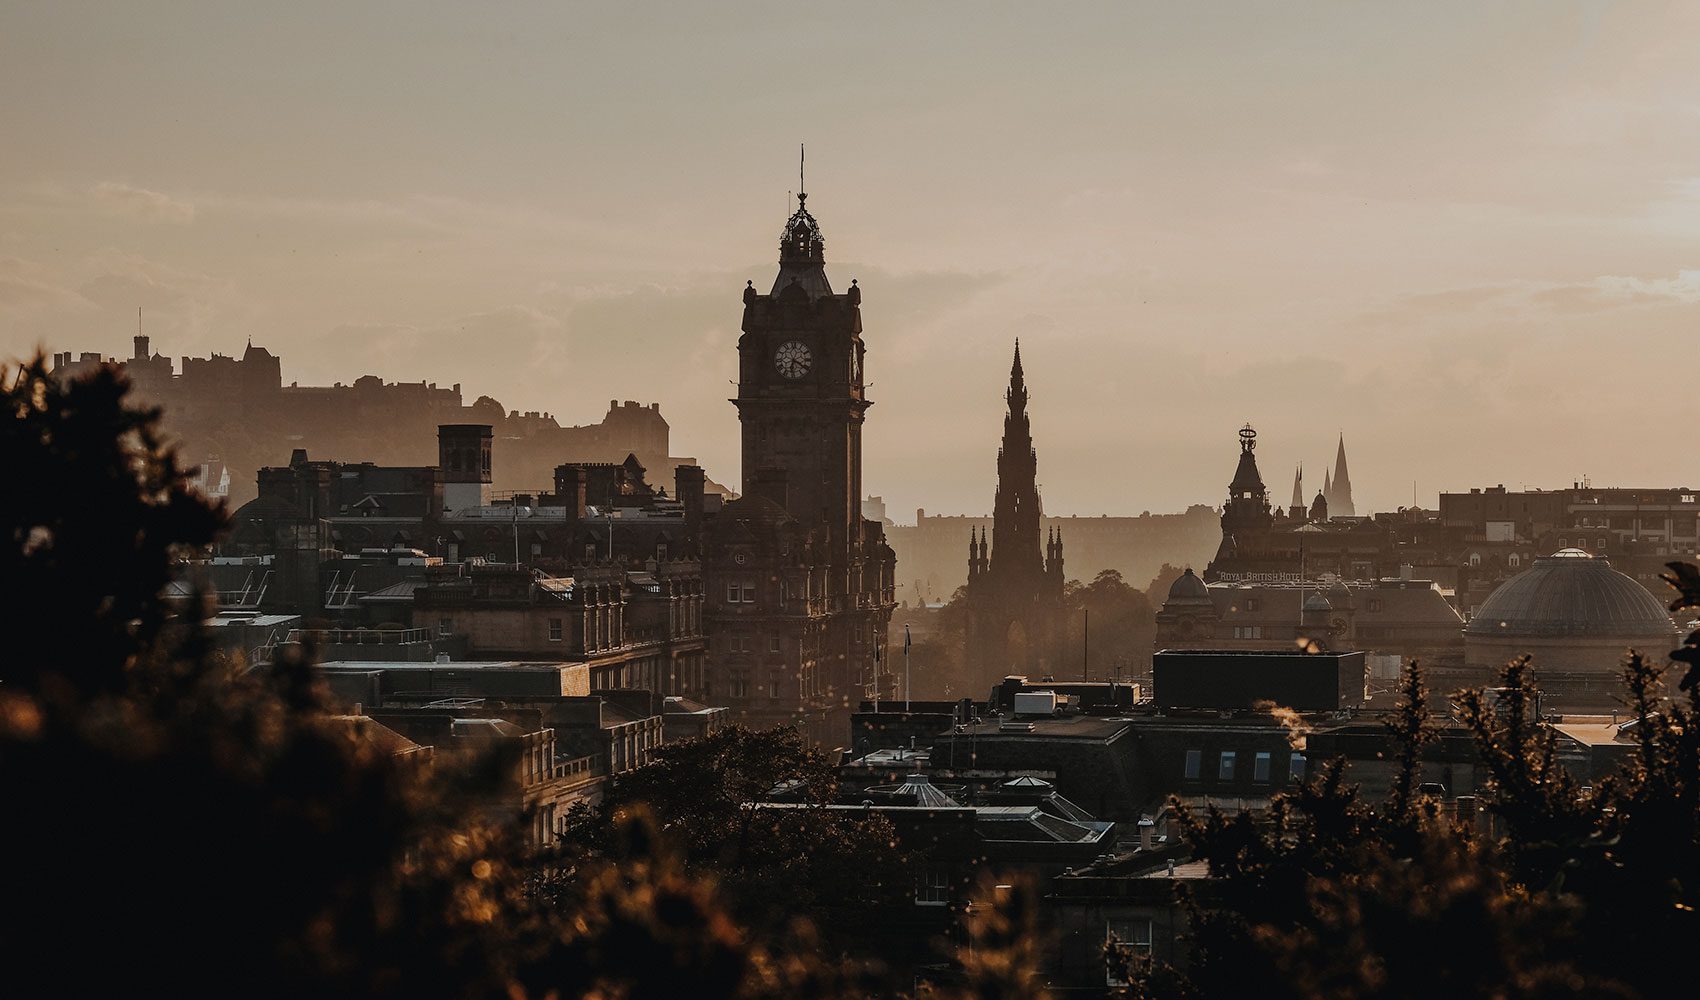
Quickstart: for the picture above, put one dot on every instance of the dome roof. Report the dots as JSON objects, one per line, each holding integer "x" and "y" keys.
{"x": 1571, "y": 593}
{"x": 1188, "y": 589}
{"x": 1316, "y": 602}
{"x": 1339, "y": 595}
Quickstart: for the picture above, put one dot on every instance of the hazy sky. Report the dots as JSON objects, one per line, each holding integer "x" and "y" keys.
{"x": 1466, "y": 234}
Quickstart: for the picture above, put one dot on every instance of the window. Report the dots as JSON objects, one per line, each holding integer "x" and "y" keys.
{"x": 773, "y": 644}
{"x": 1194, "y": 764}
{"x": 1251, "y": 604}
{"x": 1476, "y": 558}
{"x": 1260, "y": 767}
{"x": 775, "y": 684}
{"x": 732, "y": 593}
{"x": 1602, "y": 544}
{"x": 1225, "y": 770}
{"x": 556, "y": 630}
{"x": 749, "y": 593}
{"x": 1375, "y": 604}
{"x": 1296, "y": 767}
{"x": 1513, "y": 560}
{"x": 932, "y": 886}
{"x": 1130, "y": 936}
{"x": 445, "y": 627}
{"x": 738, "y": 684}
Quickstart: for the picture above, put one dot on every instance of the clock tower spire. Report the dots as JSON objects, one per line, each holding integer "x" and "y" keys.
{"x": 801, "y": 405}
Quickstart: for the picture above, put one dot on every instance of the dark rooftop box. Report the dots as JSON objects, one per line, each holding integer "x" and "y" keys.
{"x": 1239, "y": 679}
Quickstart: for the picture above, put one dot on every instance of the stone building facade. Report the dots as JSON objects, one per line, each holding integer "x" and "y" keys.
{"x": 813, "y": 578}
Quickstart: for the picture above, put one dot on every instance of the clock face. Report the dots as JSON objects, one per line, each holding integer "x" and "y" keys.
{"x": 793, "y": 359}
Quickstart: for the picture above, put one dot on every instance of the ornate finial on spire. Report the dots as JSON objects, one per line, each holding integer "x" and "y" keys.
{"x": 1248, "y": 438}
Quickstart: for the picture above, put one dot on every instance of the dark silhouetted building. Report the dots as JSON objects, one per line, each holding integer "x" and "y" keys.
{"x": 799, "y": 581}
{"x": 1015, "y": 609}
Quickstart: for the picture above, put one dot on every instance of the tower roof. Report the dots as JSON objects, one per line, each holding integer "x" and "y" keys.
{"x": 1246, "y": 477}
{"x": 802, "y": 253}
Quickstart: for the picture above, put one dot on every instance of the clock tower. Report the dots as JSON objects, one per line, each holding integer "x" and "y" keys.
{"x": 800, "y": 584}
{"x": 800, "y": 391}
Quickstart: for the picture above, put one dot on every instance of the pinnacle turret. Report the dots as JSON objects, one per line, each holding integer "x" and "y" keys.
{"x": 1340, "y": 496}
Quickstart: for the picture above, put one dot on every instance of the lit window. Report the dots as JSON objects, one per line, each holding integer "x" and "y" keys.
{"x": 1194, "y": 764}
{"x": 1260, "y": 767}
{"x": 1225, "y": 770}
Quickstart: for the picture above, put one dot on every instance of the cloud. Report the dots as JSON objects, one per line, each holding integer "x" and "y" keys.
{"x": 141, "y": 204}
{"x": 1683, "y": 287}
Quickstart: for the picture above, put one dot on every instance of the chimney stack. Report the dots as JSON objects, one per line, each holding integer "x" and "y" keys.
{"x": 570, "y": 485}
{"x": 463, "y": 454}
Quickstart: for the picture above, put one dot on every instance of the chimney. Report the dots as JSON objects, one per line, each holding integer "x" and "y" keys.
{"x": 687, "y": 489}
{"x": 463, "y": 454}
{"x": 769, "y": 484}
{"x": 570, "y": 487}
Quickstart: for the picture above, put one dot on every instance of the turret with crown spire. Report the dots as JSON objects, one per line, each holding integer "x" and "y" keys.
{"x": 1247, "y": 513}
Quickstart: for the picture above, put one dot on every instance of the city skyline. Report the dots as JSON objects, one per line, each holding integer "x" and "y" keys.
{"x": 1180, "y": 249}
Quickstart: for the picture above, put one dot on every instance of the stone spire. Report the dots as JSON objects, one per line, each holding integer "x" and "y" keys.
{"x": 1340, "y": 498}
{"x": 1016, "y": 513}
{"x": 1298, "y": 505}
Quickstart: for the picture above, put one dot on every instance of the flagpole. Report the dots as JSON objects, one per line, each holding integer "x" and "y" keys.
{"x": 906, "y": 666}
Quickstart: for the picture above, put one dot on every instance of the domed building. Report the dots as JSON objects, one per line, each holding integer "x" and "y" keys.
{"x": 1575, "y": 616}
{"x": 1188, "y": 616}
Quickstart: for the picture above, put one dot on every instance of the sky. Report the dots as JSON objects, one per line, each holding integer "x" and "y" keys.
{"x": 1464, "y": 235}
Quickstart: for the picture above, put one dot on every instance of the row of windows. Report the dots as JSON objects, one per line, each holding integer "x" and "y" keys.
{"x": 740, "y": 593}
{"x": 1228, "y": 763}
{"x": 738, "y": 684}
{"x": 745, "y": 643}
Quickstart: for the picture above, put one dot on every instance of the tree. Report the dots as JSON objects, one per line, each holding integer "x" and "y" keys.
{"x": 1157, "y": 591}
{"x": 1329, "y": 895}
{"x": 1123, "y": 626}
{"x": 177, "y": 825}
{"x": 713, "y": 799}
{"x": 95, "y": 511}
